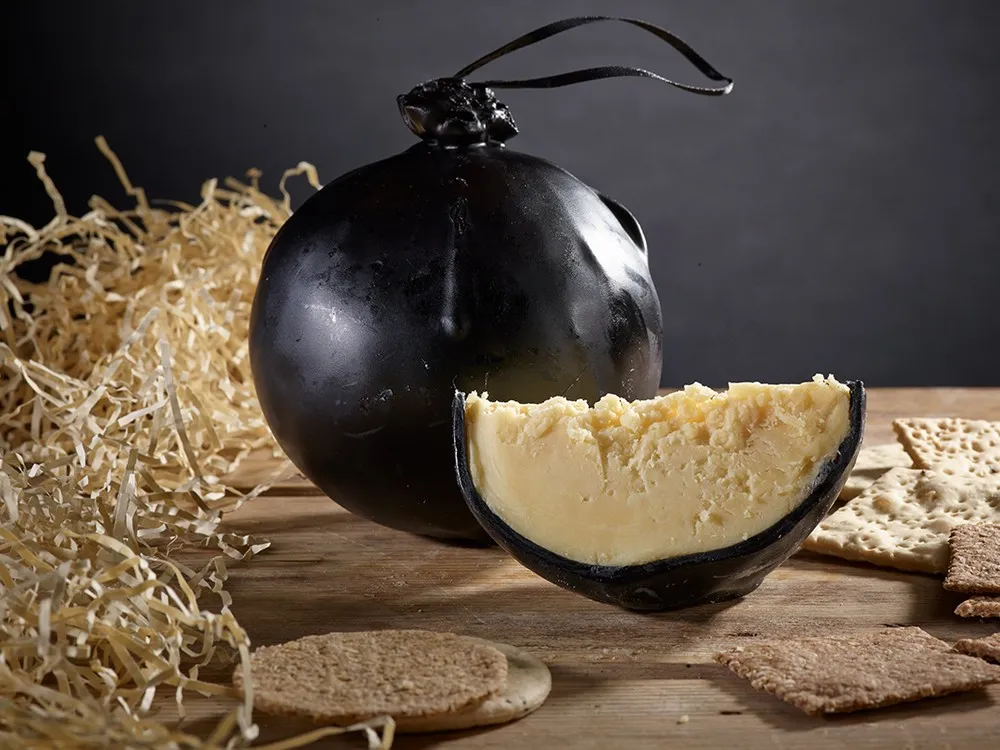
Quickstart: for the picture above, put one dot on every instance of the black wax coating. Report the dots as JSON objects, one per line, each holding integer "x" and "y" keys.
{"x": 678, "y": 582}
{"x": 442, "y": 268}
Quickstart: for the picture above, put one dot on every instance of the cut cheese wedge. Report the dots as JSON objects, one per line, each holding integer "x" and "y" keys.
{"x": 621, "y": 485}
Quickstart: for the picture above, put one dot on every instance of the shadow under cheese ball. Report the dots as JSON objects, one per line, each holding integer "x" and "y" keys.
{"x": 456, "y": 263}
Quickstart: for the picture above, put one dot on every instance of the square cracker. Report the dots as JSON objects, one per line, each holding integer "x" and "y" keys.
{"x": 857, "y": 671}
{"x": 873, "y": 461}
{"x": 974, "y": 566}
{"x": 904, "y": 519}
{"x": 979, "y": 606}
{"x": 959, "y": 447}
{"x": 985, "y": 648}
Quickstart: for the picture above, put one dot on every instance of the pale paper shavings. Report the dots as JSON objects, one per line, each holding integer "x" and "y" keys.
{"x": 125, "y": 393}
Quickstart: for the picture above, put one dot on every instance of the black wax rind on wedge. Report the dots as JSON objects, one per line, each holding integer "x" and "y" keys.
{"x": 676, "y": 582}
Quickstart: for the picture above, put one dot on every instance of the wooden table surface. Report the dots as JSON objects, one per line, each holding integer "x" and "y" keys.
{"x": 620, "y": 679}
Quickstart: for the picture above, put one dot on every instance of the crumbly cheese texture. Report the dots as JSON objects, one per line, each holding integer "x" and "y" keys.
{"x": 624, "y": 483}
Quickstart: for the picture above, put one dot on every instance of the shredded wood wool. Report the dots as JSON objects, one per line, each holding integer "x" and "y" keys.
{"x": 126, "y": 402}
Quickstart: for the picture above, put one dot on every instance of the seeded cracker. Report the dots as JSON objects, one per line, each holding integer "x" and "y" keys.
{"x": 985, "y": 648}
{"x": 873, "y": 461}
{"x": 979, "y": 606}
{"x": 959, "y": 447}
{"x": 974, "y": 566}
{"x": 528, "y": 685}
{"x": 853, "y": 672}
{"x": 342, "y": 678}
{"x": 904, "y": 519}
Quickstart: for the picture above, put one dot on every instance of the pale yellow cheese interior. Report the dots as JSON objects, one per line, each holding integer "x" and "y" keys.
{"x": 624, "y": 483}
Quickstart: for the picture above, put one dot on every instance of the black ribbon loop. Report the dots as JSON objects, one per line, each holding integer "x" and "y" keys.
{"x": 593, "y": 74}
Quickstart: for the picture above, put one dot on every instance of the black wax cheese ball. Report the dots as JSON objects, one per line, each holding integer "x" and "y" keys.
{"x": 456, "y": 264}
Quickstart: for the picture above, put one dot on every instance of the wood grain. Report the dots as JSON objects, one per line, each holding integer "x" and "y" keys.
{"x": 620, "y": 679}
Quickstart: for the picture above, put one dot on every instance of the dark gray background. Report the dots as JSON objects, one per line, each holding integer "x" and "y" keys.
{"x": 839, "y": 212}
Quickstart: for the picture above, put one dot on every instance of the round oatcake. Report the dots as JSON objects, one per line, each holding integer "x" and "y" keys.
{"x": 342, "y": 678}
